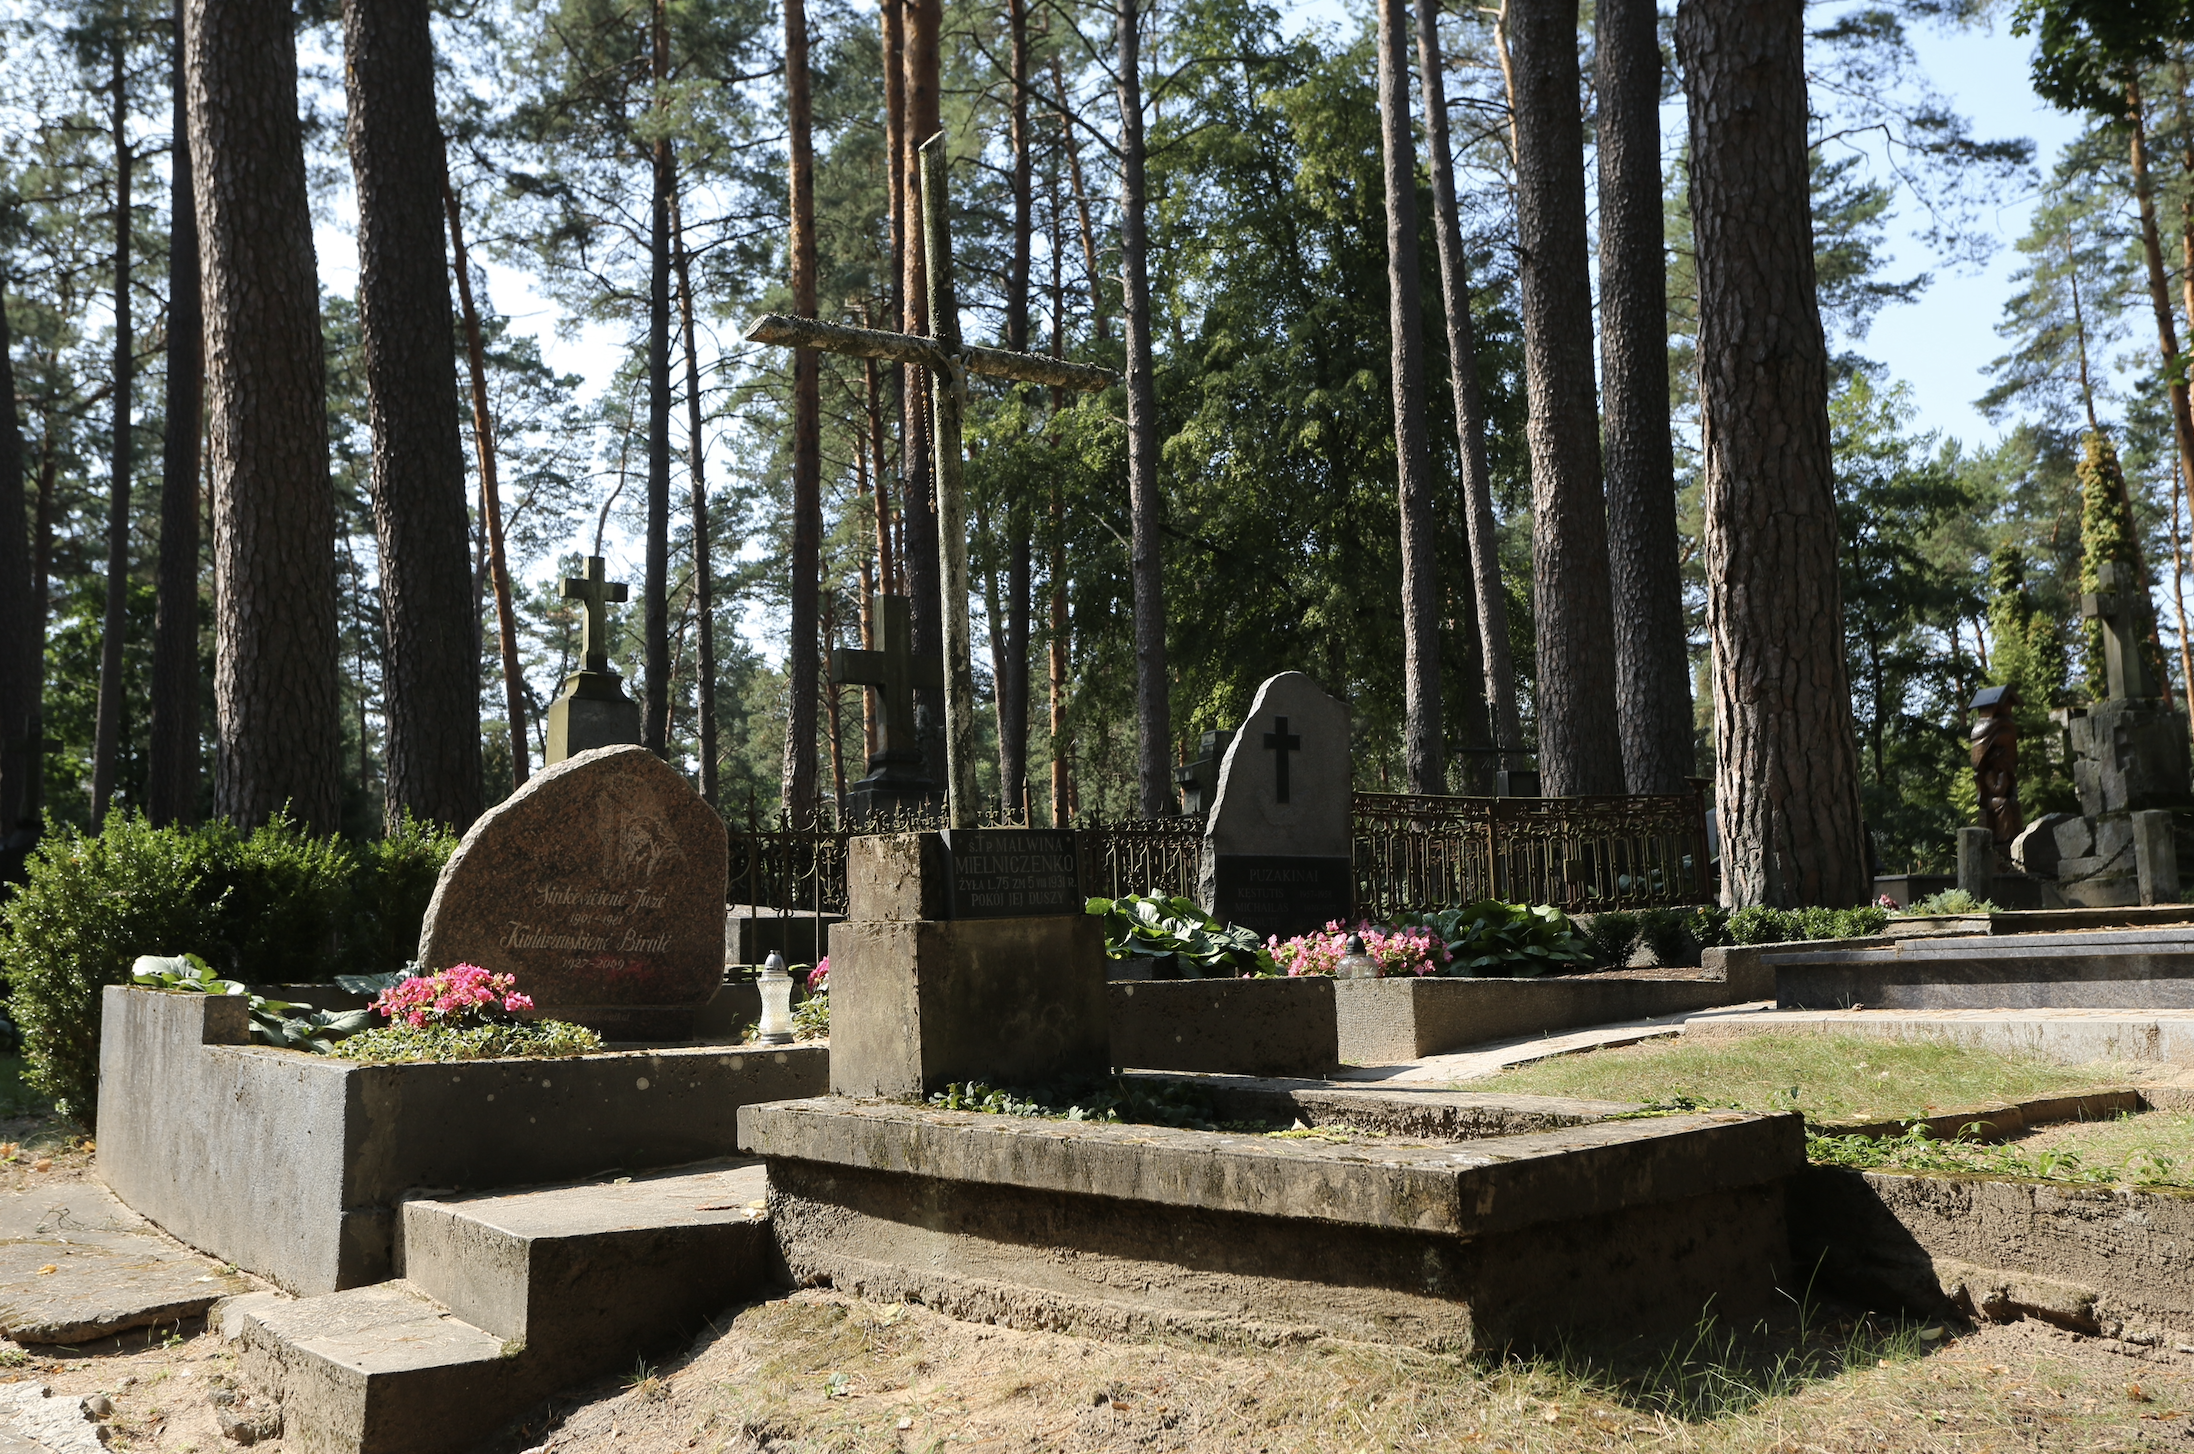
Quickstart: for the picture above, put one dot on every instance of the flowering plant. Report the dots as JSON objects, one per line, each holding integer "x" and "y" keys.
{"x": 819, "y": 977}
{"x": 1398, "y": 951}
{"x": 463, "y": 993}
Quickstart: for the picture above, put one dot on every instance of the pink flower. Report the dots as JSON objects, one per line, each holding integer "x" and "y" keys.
{"x": 460, "y": 993}
{"x": 819, "y": 977}
{"x": 1398, "y": 951}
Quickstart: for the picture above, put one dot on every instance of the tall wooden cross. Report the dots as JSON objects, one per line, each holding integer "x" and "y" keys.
{"x": 596, "y": 590}
{"x": 949, "y": 363}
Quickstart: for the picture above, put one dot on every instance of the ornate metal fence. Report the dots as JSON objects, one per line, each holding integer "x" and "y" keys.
{"x": 1411, "y": 852}
{"x": 1579, "y": 854}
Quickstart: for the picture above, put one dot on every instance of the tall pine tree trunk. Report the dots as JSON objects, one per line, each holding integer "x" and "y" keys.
{"x": 1423, "y": 751}
{"x": 1652, "y": 665}
{"x": 1579, "y": 749}
{"x": 1012, "y": 684}
{"x": 2159, "y": 290}
{"x": 1153, "y": 706}
{"x": 491, "y": 500}
{"x": 917, "y": 507}
{"x": 1470, "y": 414}
{"x": 274, "y": 514}
{"x": 20, "y": 627}
{"x": 107, "y": 733}
{"x": 171, "y": 769}
{"x": 430, "y": 675}
{"x": 704, "y": 593}
{"x": 802, "y": 656}
{"x": 655, "y": 615}
{"x": 1787, "y": 785}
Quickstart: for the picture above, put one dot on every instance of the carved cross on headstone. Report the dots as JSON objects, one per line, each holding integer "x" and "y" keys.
{"x": 596, "y": 590}
{"x": 1280, "y": 742}
{"x": 949, "y": 364}
{"x": 2115, "y": 604}
{"x": 895, "y": 672}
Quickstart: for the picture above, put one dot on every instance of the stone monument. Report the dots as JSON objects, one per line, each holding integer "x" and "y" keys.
{"x": 2129, "y": 755}
{"x": 965, "y": 955}
{"x": 600, "y": 885}
{"x": 897, "y": 775}
{"x": 593, "y": 710}
{"x": 1278, "y": 855}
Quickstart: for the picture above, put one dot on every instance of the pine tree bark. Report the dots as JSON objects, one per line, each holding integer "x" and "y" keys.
{"x": 704, "y": 594}
{"x": 2159, "y": 290}
{"x": 803, "y": 654}
{"x": 1652, "y": 658}
{"x": 1787, "y": 784}
{"x": 171, "y": 769}
{"x": 1423, "y": 750}
{"x": 274, "y": 513}
{"x": 430, "y": 674}
{"x": 491, "y": 499}
{"x": 923, "y": 24}
{"x": 1012, "y": 684}
{"x": 1153, "y": 707}
{"x": 107, "y": 731}
{"x": 655, "y": 613}
{"x": 1579, "y": 749}
{"x": 19, "y": 616}
{"x": 1488, "y": 596}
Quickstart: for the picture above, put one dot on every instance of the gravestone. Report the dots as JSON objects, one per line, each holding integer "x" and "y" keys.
{"x": 593, "y": 710}
{"x": 965, "y": 955}
{"x": 897, "y": 778}
{"x": 600, "y": 885}
{"x": 1278, "y": 856}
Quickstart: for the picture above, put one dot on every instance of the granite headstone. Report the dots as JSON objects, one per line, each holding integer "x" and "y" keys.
{"x": 600, "y": 885}
{"x": 1278, "y": 856}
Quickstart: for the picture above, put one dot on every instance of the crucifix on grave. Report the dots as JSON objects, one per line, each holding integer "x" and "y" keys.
{"x": 895, "y": 774}
{"x": 592, "y": 710}
{"x": 949, "y": 364}
{"x": 2115, "y": 603}
{"x": 1280, "y": 742}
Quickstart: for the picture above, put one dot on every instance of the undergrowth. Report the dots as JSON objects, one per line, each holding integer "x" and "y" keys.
{"x": 399, "y": 1041}
{"x": 1919, "y": 1150}
{"x": 1107, "y": 1102}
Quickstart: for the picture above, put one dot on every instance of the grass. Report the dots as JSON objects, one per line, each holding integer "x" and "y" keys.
{"x": 1831, "y": 1078}
{"x": 2145, "y": 1163}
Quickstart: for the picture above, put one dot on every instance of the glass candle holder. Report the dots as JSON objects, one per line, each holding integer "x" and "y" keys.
{"x": 1356, "y": 964}
{"x": 776, "y": 988}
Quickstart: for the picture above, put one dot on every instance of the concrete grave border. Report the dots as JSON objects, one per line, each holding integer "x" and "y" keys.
{"x": 292, "y": 1165}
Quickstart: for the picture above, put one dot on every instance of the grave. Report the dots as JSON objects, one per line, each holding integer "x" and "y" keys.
{"x": 965, "y": 955}
{"x": 593, "y": 710}
{"x": 897, "y": 779}
{"x": 600, "y": 886}
{"x": 1278, "y": 855}
{"x": 2125, "y": 969}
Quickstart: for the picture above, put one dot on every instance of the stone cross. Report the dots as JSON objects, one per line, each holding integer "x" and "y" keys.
{"x": 895, "y": 672}
{"x": 1280, "y": 742}
{"x": 949, "y": 364}
{"x": 2116, "y": 606}
{"x": 597, "y": 591}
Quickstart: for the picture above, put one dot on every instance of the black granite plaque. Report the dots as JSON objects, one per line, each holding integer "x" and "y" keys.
{"x": 1010, "y": 873}
{"x": 1283, "y": 895}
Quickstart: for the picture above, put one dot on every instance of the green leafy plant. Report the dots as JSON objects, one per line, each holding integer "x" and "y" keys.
{"x": 1951, "y": 901}
{"x": 1612, "y": 935}
{"x": 811, "y": 1018}
{"x": 1759, "y": 924}
{"x": 1494, "y": 939}
{"x": 1138, "y": 924}
{"x": 1108, "y": 1101}
{"x": 399, "y": 1041}
{"x": 280, "y": 1023}
{"x": 1920, "y": 1149}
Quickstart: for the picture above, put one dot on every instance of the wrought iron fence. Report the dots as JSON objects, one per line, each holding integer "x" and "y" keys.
{"x": 1579, "y": 854}
{"x": 1411, "y": 852}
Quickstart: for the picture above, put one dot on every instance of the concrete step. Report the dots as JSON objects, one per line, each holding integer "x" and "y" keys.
{"x": 506, "y": 1298}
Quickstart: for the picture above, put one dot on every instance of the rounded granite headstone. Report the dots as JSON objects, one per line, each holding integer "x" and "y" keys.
{"x": 600, "y": 885}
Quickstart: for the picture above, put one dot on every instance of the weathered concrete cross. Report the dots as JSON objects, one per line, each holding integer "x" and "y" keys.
{"x": 949, "y": 364}
{"x": 2113, "y": 605}
{"x": 895, "y": 673}
{"x": 597, "y": 591}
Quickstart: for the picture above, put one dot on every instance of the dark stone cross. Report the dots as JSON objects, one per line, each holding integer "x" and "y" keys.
{"x": 1281, "y": 742}
{"x": 895, "y": 673}
{"x": 2114, "y": 605}
{"x": 596, "y": 590}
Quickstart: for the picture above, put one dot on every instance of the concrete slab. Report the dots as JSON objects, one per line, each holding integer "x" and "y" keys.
{"x": 34, "y": 1421}
{"x": 2071, "y": 1036}
{"x": 1388, "y": 1021}
{"x": 1464, "y": 1066}
{"x": 2147, "y": 969}
{"x": 75, "y": 1264}
{"x": 1238, "y": 1026}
